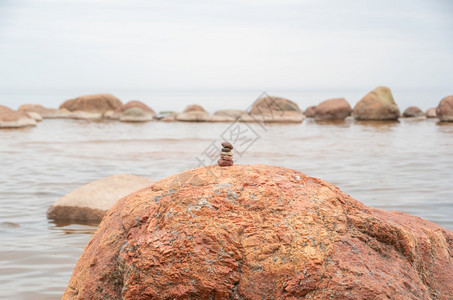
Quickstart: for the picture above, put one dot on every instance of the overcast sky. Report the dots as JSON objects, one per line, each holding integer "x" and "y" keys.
{"x": 234, "y": 44}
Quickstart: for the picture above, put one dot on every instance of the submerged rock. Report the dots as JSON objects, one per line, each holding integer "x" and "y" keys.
{"x": 231, "y": 113}
{"x": 444, "y": 110}
{"x": 193, "y": 116}
{"x": 377, "y": 105}
{"x": 259, "y": 232}
{"x": 14, "y": 119}
{"x": 97, "y": 103}
{"x": 333, "y": 109}
{"x": 44, "y": 112}
{"x": 89, "y": 202}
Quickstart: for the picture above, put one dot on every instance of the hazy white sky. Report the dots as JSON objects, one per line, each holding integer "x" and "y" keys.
{"x": 234, "y": 44}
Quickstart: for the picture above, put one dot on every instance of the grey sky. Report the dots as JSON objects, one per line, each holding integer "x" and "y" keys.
{"x": 235, "y": 44}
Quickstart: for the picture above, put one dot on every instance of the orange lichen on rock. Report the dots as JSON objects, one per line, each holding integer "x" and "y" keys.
{"x": 260, "y": 232}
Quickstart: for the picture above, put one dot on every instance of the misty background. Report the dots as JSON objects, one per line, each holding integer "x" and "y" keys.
{"x": 224, "y": 54}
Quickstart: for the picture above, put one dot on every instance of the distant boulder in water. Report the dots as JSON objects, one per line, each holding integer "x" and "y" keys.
{"x": 271, "y": 109}
{"x": 14, "y": 119}
{"x": 97, "y": 103}
{"x": 89, "y": 202}
{"x": 444, "y": 110}
{"x": 333, "y": 109}
{"x": 377, "y": 105}
{"x": 431, "y": 112}
{"x": 310, "y": 111}
{"x": 135, "y": 111}
{"x": 272, "y": 104}
{"x": 194, "y": 107}
{"x": 413, "y": 112}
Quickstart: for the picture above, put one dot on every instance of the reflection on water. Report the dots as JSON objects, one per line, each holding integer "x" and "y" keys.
{"x": 405, "y": 166}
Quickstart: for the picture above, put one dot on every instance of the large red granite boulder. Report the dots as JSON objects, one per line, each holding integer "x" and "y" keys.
{"x": 377, "y": 105}
{"x": 333, "y": 109}
{"x": 97, "y": 103}
{"x": 259, "y": 232}
{"x": 444, "y": 110}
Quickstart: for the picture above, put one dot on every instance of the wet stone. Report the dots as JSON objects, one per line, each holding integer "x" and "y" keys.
{"x": 227, "y": 145}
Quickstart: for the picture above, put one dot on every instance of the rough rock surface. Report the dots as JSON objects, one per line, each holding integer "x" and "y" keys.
{"x": 333, "y": 109}
{"x": 97, "y": 103}
{"x": 377, "y": 105}
{"x": 271, "y": 104}
{"x": 444, "y": 110}
{"x": 413, "y": 112}
{"x": 14, "y": 119}
{"x": 194, "y": 107}
{"x": 310, "y": 111}
{"x": 46, "y": 113}
{"x": 259, "y": 232}
{"x": 431, "y": 112}
{"x": 90, "y": 202}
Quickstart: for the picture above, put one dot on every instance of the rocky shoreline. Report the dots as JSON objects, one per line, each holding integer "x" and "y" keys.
{"x": 377, "y": 105}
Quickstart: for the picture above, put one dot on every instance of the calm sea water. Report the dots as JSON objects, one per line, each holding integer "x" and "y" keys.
{"x": 405, "y": 166}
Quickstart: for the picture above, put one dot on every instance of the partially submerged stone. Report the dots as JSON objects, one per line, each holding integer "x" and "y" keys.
{"x": 333, "y": 109}
{"x": 193, "y": 116}
{"x": 14, "y": 119}
{"x": 90, "y": 202}
{"x": 413, "y": 112}
{"x": 96, "y": 103}
{"x": 377, "y": 105}
{"x": 444, "y": 110}
{"x": 45, "y": 112}
{"x": 260, "y": 232}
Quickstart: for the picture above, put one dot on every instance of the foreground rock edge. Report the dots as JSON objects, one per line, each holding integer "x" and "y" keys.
{"x": 146, "y": 247}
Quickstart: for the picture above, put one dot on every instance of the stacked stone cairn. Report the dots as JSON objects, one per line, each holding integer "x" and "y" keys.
{"x": 226, "y": 157}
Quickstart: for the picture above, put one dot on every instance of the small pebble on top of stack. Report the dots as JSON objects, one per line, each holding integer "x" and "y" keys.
{"x": 226, "y": 157}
